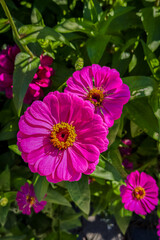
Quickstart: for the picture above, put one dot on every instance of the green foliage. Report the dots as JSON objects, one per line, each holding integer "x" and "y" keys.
{"x": 40, "y": 187}
{"x": 4, "y": 25}
{"x": 25, "y": 69}
{"x": 120, "y": 34}
{"x": 80, "y": 194}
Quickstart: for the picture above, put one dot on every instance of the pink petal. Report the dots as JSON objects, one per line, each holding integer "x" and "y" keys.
{"x": 52, "y": 103}
{"x": 88, "y": 151}
{"x": 30, "y": 129}
{"x": 40, "y": 111}
{"x": 79, "y": 163}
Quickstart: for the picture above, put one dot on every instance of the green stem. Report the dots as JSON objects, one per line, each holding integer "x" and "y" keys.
{"x": 14, "y": 29}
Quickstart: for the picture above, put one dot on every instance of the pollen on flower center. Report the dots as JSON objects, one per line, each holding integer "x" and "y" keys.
{"x": 63, "y": 135}
{"x": 139, "y": 193}
{"x": 30, "y": 200}
{"x": 95, "y": 96}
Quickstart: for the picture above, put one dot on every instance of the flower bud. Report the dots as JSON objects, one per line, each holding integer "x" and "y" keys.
{"x": 4, "y": 201}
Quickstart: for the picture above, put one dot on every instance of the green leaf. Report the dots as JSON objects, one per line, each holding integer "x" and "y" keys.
{"x": 69, "y": 219}
{"x": 153, "y": 62}
{"x": 15, "y": 149}
{"x": 140, "y": 112}
{"x": 68, "y": 236}
{"x": 36, "y": 17}
{"x": 9, "y": 131}
{"x": 31, "y": 33}
{"x": 91, "y": 10}
{"x": 121, "y": 215}
{"x": 25, "y": 69}
{"x": 135, "y": 129}
{"x": 108, "y": 173}
{"x": 96, "y": 47}
{"x": 116, "y": 161}
{"x": 76, "y": 25}
{"x": 155, "y": 104}
{"x": 4, "y": 213}
{"x": 151, "y": 22}
{"x": 41, "y": 187}
{"x": 113, "y": 132}
{"x": 104, "y": 24}
{"x": 80, "y": 193}
{"x": 4, "y": 25}
{"x": 54, "y": 196}
{"x": 22, "y": 237}
{"x": 128, "y": 20}
{"x": 5, "y": 180}
{"x": 139, "y": 86}
{"x": 121, "y": 61}
{"x": 11, "y": 196}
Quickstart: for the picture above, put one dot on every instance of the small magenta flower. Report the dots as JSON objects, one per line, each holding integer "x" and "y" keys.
{"x": 158, "y": 229}
{"x": 127, "y": 164}
{"x": 141, "y": 193}
{"x": 103, "y": 88}
{"x": 61, "y": 137}
{"x": 26, "y": 199}
{"x": 126, "y": 149}
{"x": 41, "y": 78}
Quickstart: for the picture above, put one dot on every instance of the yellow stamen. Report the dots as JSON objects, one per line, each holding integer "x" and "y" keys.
{"x": 95, "y": 96}
{"x": 139, "y": 193}
{"x": 30, "y": 200}
{"x": 63, "y": 135}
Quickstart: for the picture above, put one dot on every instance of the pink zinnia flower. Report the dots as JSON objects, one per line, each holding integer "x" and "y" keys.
{"x": 26, "y": 199}
{"x": 158, "y": 229}
{"x": 141, "y": 193}
{"x": 41, "y": 78}
{"x": 103, "y": 87}
{"x": 61, "y": 137}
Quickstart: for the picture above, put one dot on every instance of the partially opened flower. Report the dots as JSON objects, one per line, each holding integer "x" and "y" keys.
{"x": 61, "y": 137}
{"x": 26, "y": 199}
{"x": 41, "y": 78}
{"x": 126, "y": 149}
{"x": 127, "y": 164}
{"x": 103, "y": 88}
{"x": 158, "y": 229}
{"x": 140, "y": 194}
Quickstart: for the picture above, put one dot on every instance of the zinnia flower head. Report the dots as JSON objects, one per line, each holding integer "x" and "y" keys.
{"x": 26, "y": 199}
{"x": 103, "y": 88}
{"x": 41, "y": 78}
{"x": 61, "y": 137}
{"x": 140, "y": 193}
{"x": 158, "y": 229}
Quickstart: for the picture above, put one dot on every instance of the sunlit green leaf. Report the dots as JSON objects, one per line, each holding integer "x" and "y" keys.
{"x": 41, "y": 187}
{"x": 80, "y": 194}
{"x": 25, "y": 69}
{"x": 53, "y": 196}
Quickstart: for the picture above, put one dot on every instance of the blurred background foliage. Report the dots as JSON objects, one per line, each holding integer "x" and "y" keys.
{"x": 120, "y": 34}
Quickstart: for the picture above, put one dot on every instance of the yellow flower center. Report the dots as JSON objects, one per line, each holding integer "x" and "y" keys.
{"x": 139, "y": 193}
{"x": 95, "y": 96}
{"x": 63, "y": 135}
{"x": 30, "y": 200}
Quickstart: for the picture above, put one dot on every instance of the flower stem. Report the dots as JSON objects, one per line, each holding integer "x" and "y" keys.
{"x": 14, "y": 29}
